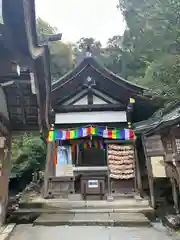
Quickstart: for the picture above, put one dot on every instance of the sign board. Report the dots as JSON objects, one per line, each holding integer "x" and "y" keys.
{"x": 154, "y": 146}
{"x": 158, "y": 167}
{"x": 65, "y": 171}
{"x": 93, "y": 184}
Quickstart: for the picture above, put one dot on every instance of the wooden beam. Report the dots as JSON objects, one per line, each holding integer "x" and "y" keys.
{"x": 58, "y": 98}
{"x": 118, "y": 141}
{"x": 84, "y": 108}
{"x": 22, "y": 104}
{"x": 90, "y": 97}
{"x": 102, "y": 98}
{"x": 78, "y": 98}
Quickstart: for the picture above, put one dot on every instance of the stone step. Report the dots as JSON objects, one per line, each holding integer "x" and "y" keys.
{"x": 29, "y": 211}
{"x": 93, "y": 219}
{"x": 64, "y": 204}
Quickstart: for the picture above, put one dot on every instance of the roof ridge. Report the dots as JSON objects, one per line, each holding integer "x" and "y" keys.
{"x": 116, "y": 75}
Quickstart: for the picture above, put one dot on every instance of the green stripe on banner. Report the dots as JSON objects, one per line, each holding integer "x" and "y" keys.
{"x": 76, "y": 133}
{"x": 118, "y": 134}
{"x": 55, "y": 134}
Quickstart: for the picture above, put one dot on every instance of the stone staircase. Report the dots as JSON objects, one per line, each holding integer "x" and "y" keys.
{"x": 124, "y": 212}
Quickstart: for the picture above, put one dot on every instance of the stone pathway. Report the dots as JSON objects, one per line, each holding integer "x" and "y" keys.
{"x": 28, "y": 232}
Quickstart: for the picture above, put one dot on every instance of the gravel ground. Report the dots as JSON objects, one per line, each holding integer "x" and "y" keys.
{"x": 28, "y": 232}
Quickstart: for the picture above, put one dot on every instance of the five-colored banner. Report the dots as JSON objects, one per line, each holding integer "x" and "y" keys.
{"x": 115, "y": 133}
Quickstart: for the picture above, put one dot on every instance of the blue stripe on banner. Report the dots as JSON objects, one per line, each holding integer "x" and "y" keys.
{"x": 59, "y": 135}
{"x": 122, "y": 132}
{"x": 100, "y": 132}
{"x": 80, "y": 132}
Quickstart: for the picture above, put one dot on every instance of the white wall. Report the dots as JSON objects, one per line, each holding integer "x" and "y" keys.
{"x": 91, "y": 117}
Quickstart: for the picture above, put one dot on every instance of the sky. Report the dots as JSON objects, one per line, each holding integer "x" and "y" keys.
{"x": 99, "y": 19}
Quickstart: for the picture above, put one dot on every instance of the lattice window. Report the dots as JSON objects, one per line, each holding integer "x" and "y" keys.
{"x": 31, "y": 111}
{"x": 27, "y": 100}
{"x": 16, "y": 111}
{"x": 18, "y": 100}
{"x": 178, "y": 145}
{"x": 169, "y": 146}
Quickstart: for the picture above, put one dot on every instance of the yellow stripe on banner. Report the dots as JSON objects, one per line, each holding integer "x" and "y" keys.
{"x": 113, "y": 134}
{"x": 93, "y": 130}
{"x": 50, "y": 137}
{"x": 72, "y": 134}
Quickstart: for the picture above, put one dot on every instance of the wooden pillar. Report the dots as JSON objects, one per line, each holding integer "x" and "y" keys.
{"x": 138, "y": 173}
{"x": 109, "y": 197}
{"x": 49, "y": 169}
{"x": 5, "y": 155}
{"x": 175, "y": 195}
{"x": 150, "y": 176}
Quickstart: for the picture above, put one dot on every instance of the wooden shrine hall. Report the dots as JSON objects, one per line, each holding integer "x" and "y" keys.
{"x": 91, "y": 144}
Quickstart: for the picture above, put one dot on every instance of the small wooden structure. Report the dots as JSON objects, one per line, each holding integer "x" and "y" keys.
{"x": 160, "y": 135}
{"x": 25, "y": 82}
{"x": 91, "y": 146}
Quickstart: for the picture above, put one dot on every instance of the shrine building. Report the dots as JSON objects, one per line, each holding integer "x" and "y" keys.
{"x": 91, "y": 152}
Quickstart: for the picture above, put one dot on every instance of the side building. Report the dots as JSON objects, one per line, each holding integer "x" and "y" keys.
{"x": 160, "y": 137}
{"x": 25, "y": 83}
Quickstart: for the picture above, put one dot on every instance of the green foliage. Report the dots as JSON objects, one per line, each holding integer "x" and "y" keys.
{"x": 28, "y": 155}
{"x": 151, "y": 45}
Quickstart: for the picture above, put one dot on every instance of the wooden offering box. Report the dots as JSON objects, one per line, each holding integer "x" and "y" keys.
{"x": 93, "y": 186}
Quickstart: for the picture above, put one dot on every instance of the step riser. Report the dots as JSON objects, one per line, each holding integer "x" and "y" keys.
{"x": 94, "y": 223}
{"x": 84, "y": 206}
{"x": 81, "y": 211}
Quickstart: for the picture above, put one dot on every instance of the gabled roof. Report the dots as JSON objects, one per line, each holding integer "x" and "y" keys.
{"x": 92, "y": 63}
{"x": 104, "y": 81}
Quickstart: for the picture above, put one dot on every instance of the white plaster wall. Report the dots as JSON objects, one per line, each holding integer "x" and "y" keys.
{"x": 91, "y": 117}
{"x": 97, "y": 100}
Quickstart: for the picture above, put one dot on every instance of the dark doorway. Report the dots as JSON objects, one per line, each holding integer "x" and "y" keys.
{"x": 92, "y": 157}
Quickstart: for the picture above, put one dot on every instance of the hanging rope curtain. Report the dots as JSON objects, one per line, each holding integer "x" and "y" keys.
{"x": 115, "y": 133}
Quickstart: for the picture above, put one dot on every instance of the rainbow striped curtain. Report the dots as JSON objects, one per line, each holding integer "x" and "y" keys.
{"x": 121, "y": 134}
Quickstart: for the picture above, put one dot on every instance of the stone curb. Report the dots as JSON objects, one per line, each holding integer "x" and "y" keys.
{"x": 7, "y": 231}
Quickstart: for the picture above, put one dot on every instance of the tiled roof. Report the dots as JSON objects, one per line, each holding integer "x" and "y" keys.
{"x": 159, "y": 120}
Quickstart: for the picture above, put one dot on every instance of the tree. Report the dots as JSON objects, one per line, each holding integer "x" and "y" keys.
{"x": 61, "y": 53}
{"x": 151, "y": 44}
{"x": 28, "y": 155}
